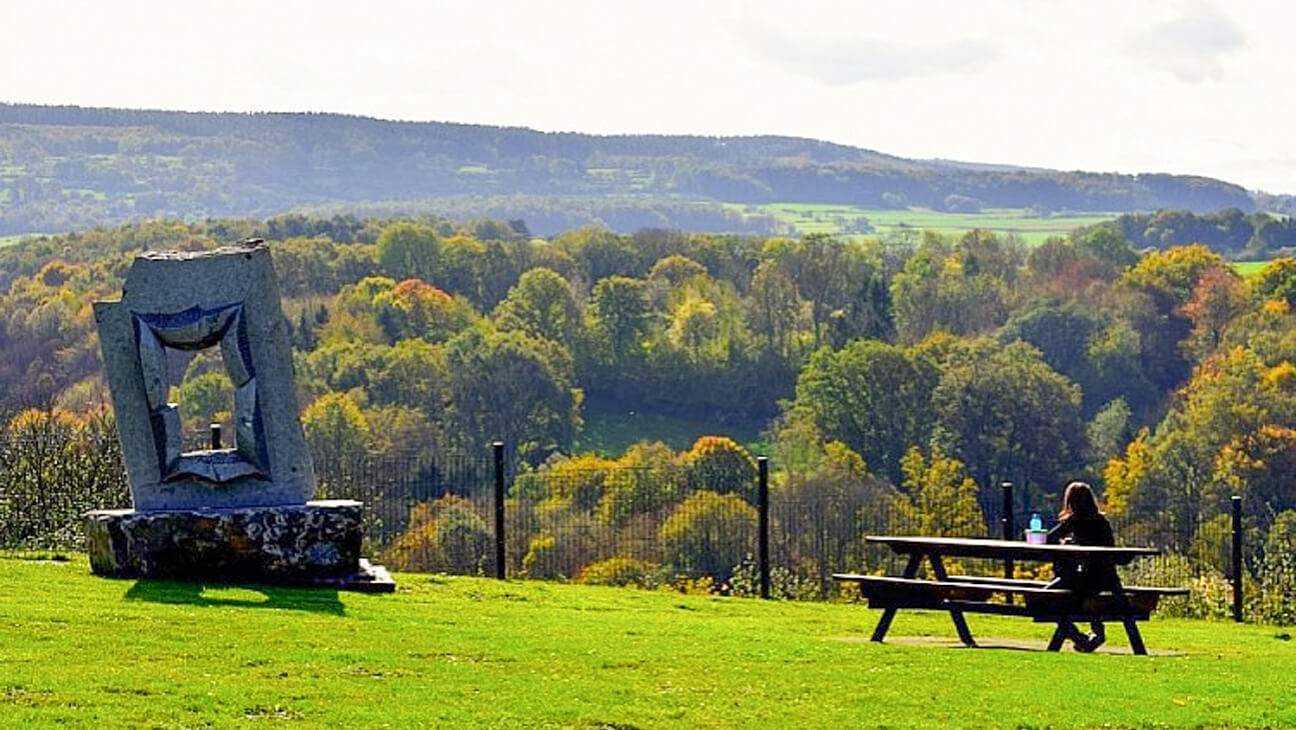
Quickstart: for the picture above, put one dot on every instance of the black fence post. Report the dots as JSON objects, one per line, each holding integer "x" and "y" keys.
{"x": 762, "y": 505}
{"x": 1237, "y": 559}
{"x": 215, "y": 436}
{"x": 498, "y": 446}
{"x": 1006, "y": 523}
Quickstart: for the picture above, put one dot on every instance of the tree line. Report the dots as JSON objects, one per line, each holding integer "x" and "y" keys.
{"x": 1162, "y": 377}
{"x": 64, "y": 168}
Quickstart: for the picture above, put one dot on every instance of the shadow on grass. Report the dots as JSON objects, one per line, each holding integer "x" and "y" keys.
{"x": 314, "y": 600}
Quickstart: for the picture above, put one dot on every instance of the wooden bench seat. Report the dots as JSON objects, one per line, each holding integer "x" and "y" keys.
{"x": 973, "y": 594}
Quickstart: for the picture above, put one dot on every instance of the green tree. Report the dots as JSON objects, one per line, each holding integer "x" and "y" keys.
{"x": 409, "y": 250}
{"x": 542, "y": 304}
{"x": 621, "y": 316}
{"x": 336, "y": 429}
{"x": 774, "y": 312}
{"x": 1008, "y": 416}
{"x": 1277, "y": 280}
{"x": 514, "y": 388}
{"x": 873, "y": 397}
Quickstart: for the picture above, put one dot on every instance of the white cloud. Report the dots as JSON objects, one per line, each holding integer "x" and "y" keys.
{"x": 841, "y": 61}
{"x": 1191, "y": 46}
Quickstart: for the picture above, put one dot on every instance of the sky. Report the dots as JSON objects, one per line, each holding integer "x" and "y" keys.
{"x": 1182, "y": 86}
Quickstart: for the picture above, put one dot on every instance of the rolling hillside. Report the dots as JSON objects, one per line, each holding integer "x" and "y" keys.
{"x": 64, "y": 168}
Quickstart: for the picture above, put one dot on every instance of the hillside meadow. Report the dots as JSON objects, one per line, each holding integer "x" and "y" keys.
{"x": 81, "y": 651}
{"x": 835, "y": 219}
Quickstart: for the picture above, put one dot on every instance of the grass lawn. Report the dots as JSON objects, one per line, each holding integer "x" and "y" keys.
{"x": 609, "y": 431}
{"x": 829, "y": 218}
{"x": 80, "y": 651}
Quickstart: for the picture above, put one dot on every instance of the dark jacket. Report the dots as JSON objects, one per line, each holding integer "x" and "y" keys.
{"x": 1089, "y": 576}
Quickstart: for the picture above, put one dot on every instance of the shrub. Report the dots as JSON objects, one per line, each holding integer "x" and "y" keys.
{"x": 622, "y": 571}
{"x": 447, "y": 536}
{"x": 709, "y": 533}
{"x": 720, "y": 465}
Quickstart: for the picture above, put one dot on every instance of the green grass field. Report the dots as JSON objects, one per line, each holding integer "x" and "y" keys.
{"x": 1248, "y": 268}
{"x": 609, "y": 431}
{"x": 834, "y": 219}
{"x": 81, "y": 651}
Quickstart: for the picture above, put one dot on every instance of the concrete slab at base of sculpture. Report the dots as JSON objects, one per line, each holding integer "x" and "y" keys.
{"x": 235, "y": 515}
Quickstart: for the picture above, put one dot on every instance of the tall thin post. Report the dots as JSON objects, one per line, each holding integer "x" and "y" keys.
{"x": 1237, "y": 559}
{"x": 762, "y": 505}
{"x": 1006, "y": 522}
{"x": 498, "y": 446}
{"x": 215, "y": 436}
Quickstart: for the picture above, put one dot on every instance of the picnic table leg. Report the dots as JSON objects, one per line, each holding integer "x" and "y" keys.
{"x": 1059, "y": 637}
{"x": 1131, "y": 625}
{"x": 960, "y": 623}
{"x": 884, "y": 623}
{"x": 1135, "y": 638}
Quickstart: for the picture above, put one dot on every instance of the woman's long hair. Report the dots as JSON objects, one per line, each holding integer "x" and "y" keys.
{"x": 1078, "y": 501}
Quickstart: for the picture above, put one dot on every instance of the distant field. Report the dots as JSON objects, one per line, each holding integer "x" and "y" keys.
{"x": 608, "y": 432}
{"x": 1248, "y": 268}
{"x": 838, "y": 219}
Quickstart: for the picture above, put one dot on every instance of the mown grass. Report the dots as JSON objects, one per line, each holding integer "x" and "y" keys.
{"x": 80, "y": 651}
{"x": 829, "y": 218}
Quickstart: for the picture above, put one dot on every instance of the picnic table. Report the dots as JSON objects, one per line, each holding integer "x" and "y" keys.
{"x": 959, "y": 594}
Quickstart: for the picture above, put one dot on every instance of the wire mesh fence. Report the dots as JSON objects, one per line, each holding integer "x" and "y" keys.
{"x": 650, "y": 525}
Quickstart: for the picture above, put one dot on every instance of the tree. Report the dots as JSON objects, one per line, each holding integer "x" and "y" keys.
{"x": 514, "y": 388}
{"x": 410, "y": 251}
{"x": 960, "y": 290}
{"x": 445, "y": 536}
{"x": 1167, "y": 280}
{"x": 414, "y": 308}
{"x": 541, "y": 304}
{"x": 412, "y": 373}
{"x": 336, "y": 429}
{"x": 621, "y": 314}
{"x": 1277, "y": 280}
{"x": 774, "y": 311}
{"x": 1218, "y": 298}
{"x": 871, "y": 396}
{"x": 719, "y": 464}
{"x": 942, "y": 497}
{"x": 709, "y": 533}
{"x": 1008, "y": 416}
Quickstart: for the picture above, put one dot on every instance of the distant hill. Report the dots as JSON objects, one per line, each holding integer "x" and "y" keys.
{"x": 66, "y": 168}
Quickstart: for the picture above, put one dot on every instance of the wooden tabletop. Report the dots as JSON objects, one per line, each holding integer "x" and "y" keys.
{"x": 1006, "y": 549}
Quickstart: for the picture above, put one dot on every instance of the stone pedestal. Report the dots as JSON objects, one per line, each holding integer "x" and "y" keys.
{"x": 311, "y": 544}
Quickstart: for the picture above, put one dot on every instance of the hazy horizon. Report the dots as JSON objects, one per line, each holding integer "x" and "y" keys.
{"x": 1166, "y": 86}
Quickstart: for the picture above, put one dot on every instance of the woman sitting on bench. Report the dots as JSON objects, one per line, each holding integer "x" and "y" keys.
{"x": 1081, "y": 523}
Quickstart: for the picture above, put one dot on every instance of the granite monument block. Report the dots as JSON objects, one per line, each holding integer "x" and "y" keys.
{"x": 234, "y": 514}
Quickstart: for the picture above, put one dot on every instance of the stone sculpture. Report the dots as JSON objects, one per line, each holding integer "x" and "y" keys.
{"x": 236, "y": 514}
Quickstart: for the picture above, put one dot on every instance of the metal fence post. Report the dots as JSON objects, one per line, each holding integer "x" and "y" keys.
{"x": 762, "y": 502}
{"x": 1237, "y": 559}
{"x": 1006, "y": 523}
{"x": 498, "y": 446}
{"x": 215, "y": 436}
